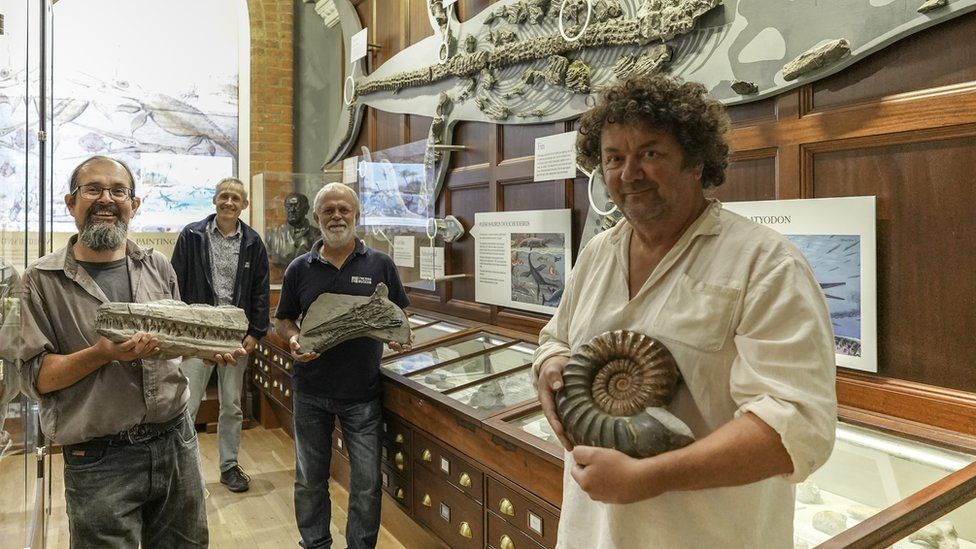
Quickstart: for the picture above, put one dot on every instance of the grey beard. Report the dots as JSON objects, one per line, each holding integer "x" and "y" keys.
{"x": 101, "y": 237}
{"x": 338, "y": 240}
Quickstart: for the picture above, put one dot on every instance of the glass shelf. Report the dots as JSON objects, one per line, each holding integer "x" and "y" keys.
{"x": 434, "y": 331}
{"x": 473, "y": 344}
{"x": 501, "y": 392}
{"x": 535, "y": 424}
{"x": 470, "y": 370}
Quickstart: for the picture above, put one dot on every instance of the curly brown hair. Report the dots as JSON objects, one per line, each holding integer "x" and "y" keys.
{"x": 682, "y": 109}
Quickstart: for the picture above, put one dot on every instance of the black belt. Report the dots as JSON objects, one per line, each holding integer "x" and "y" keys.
{"x": 143, "y": 432}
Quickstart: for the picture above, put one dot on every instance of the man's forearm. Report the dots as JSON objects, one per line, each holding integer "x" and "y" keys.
{"x": 60, "y": 371}
{"x": 743, "y": 451}
{"x": 286, "y": 328}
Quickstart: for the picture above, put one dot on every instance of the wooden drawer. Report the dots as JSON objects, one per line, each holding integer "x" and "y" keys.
{"x": 449, "y": 466}
{"x": 396, "y": 433}
{"x": 502, "y": 535}
{"x": 398, "y": 487}
{"x": 339, "y": 443}
{"x": 439, "y": 506}
{"x": 395, "y": 457}
{"x": 516, "y": 508}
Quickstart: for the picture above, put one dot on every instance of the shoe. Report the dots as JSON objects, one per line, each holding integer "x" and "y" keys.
{"x": 236, "y": 479}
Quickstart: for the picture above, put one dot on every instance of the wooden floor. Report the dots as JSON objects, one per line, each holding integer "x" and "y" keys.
{"x": 263, "y": 517}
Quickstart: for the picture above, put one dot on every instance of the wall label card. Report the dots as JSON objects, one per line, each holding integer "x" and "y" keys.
{"x": 522, "y": 259}
{"x": 431, "y": 262}
{"x": 837, "y": 236}
{"x": 357, "y": 45}
{"x": 403, "y": 251}
{"x": 555, "y": 157}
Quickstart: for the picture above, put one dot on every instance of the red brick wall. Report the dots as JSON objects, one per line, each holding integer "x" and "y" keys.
{"x": 272, "y": 83}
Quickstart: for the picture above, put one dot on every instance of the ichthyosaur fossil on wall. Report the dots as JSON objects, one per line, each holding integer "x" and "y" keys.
{"x": 536, "y": 61}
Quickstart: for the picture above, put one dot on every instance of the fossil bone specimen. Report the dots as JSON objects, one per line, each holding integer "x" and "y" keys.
{"x": 197, "y": 330}
{"x": 931, "y": 5}
{"x": 334, "y": 318}
{"x": 742, "y": 87}
{"x": 938, "y": 535}
{"x": 808, "y": 492}
{"x": 816, "y": 58}
{"x": 830, "y": 522}
{"x": 628, "y": 64}
{"x": 578, "y": 77}
{"x": 616, "y": 387}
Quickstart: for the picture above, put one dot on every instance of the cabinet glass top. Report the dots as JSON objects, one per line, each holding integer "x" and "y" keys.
{"x": 500, "y": 392}
{"x": 535, "y": 424}
{"x": 475, "y": 343}
{"x": 471, "y": 369}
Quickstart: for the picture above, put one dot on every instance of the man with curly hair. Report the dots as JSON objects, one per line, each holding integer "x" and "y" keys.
{"x": 737, "y": 306}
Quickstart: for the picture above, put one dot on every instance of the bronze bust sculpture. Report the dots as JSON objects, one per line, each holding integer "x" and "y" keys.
{"x": 293, "y": 238}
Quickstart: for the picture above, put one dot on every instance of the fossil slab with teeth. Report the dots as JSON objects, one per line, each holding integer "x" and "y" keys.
{"x": 334, "y": 318}
{"x": 196, "y": 330}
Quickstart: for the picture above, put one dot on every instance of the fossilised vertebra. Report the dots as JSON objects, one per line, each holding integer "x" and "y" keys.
{"x": 616, "y": 387}
{"x": 334, "y": 318}
{"x": 816, "y": 58}
{"x": 196, "y": 330}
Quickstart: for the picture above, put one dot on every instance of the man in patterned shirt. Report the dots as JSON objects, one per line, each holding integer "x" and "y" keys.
{"x": 219, "y": 261}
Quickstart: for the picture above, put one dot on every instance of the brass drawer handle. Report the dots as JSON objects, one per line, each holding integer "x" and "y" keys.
{"x": 506, "y": 507}
{"x": 426, "y": 500}
{"x": 400, "y": 494}
{"x": 399, "y": 438}
{"x": 266, "y": 385}
{"x": 506, "y": 542}
{"x": 464, "y": 480}
{"x": 398, "y": 459}
{"x": 465, "y": 530}
{"x": 427, "y": 456}
{"x": 287, "y": 392}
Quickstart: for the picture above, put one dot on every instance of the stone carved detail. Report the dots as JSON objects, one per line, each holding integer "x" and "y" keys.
{"x": 197, "y": 330}
{"x": 816, "y": 58}
{"x": 615, "y": 389}
{"x": 742, "y": 87}
{"x": 629, "y": 64}
{"x": 334, "y": 318}
{"x": 578, "y": 77}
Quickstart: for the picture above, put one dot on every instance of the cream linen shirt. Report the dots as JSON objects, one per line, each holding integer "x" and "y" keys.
{"x": 739, "y": 308}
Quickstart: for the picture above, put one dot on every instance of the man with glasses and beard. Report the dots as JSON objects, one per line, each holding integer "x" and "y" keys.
{"x": 131, "y": 468}
{"x": 342, "y": 382}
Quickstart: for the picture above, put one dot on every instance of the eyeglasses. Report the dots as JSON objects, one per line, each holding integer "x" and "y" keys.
{"x": 94, "y": 192}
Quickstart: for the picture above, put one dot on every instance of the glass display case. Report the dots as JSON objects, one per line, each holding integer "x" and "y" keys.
{"x": 535, "y": 424}
{"x": 439, "y": 354}
{"x": 465, "y": 371}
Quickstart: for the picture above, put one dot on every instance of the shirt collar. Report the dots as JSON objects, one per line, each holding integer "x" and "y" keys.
{"x": 313, "y": 253}
{"x": 64, "y": 259}
{"x": 212, "y": 227}
{"x": 708, "y": 223}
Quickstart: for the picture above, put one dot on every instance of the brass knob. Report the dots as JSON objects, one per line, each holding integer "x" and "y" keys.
{"x": 506, "y": 508}
{"x": 266, "y": 368}
{"x": 266, "y": 385}
{"x": 426, "y": 500}
{"x": 427, "y": 456}
{"x": 506, "y": 542}
{"x": 399, "y": 438}
{"x": 465, "y": 530}
{"x": 464, "y": 480}
{"x": 398, "y": 459}
{"x": 274, "y": 384}
{"x": 287, "y": 392}
{"x": 399, "y": 493}
{"x": 288, "y": 365}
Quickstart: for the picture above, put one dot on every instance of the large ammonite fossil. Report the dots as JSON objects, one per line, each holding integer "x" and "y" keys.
{"x": 609, "y": 386}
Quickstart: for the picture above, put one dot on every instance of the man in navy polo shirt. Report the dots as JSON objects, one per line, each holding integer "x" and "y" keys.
{"x": 344, "y": 381}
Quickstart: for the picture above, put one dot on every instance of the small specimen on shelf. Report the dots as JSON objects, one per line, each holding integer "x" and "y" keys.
{"x": 808, "y": 492}
{"x": 938, "y": 535}
{"x": 816, "y": 58}
{"x": 830, "y": 522}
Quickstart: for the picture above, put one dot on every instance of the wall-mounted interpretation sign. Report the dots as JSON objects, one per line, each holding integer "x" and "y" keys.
{"x": 837, "y": 236}
{"x": 357, "y": 46}
{"x": 522, "y": 259}
{"x": 555, "y": 157}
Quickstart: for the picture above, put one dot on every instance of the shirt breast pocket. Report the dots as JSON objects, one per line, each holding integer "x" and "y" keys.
{"x": 698, "y": 314}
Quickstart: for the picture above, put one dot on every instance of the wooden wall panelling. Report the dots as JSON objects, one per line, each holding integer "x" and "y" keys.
{"x": 926, "y": 253}
{"x": 465, "y": 202}
{"x": 750, "y": 176}
{"x": 469, "y": 8}
{"x": 526, "y": 194}
{"x": 939, "y": 56}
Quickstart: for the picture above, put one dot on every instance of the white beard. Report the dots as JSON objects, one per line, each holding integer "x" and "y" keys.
{"x": 340, "y": 239}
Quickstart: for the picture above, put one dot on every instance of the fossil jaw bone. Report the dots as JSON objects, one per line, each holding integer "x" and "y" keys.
{"x": 197, "y": 330}
{"x": 334, "y": 318}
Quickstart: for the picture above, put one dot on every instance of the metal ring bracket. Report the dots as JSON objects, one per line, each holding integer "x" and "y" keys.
{"x": 586, "y": 23}
{"x": 589, "y": 193}
{"x": 348, "y": 96}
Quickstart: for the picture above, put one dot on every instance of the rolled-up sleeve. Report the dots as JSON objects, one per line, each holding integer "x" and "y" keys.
{"x": 784, "y": 371}
{"x": 38, "y": 339}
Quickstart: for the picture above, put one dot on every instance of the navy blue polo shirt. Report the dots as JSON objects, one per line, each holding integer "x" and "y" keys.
{"x": 349, "y": 371}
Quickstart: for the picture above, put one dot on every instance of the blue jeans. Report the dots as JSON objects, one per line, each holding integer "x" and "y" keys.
{"x": 230, "y": 382}
{"x": 361, "y": 429}
{"x": 120, "y": 494}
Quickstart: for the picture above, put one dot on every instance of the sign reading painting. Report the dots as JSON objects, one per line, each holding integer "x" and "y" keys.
{"x": 837, "y": 236}
{"x": 522, "y": 259}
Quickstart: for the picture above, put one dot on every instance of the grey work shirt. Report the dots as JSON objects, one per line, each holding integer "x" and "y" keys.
{"x": 59, "y": 317}
{"x": 225, "y": 253}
